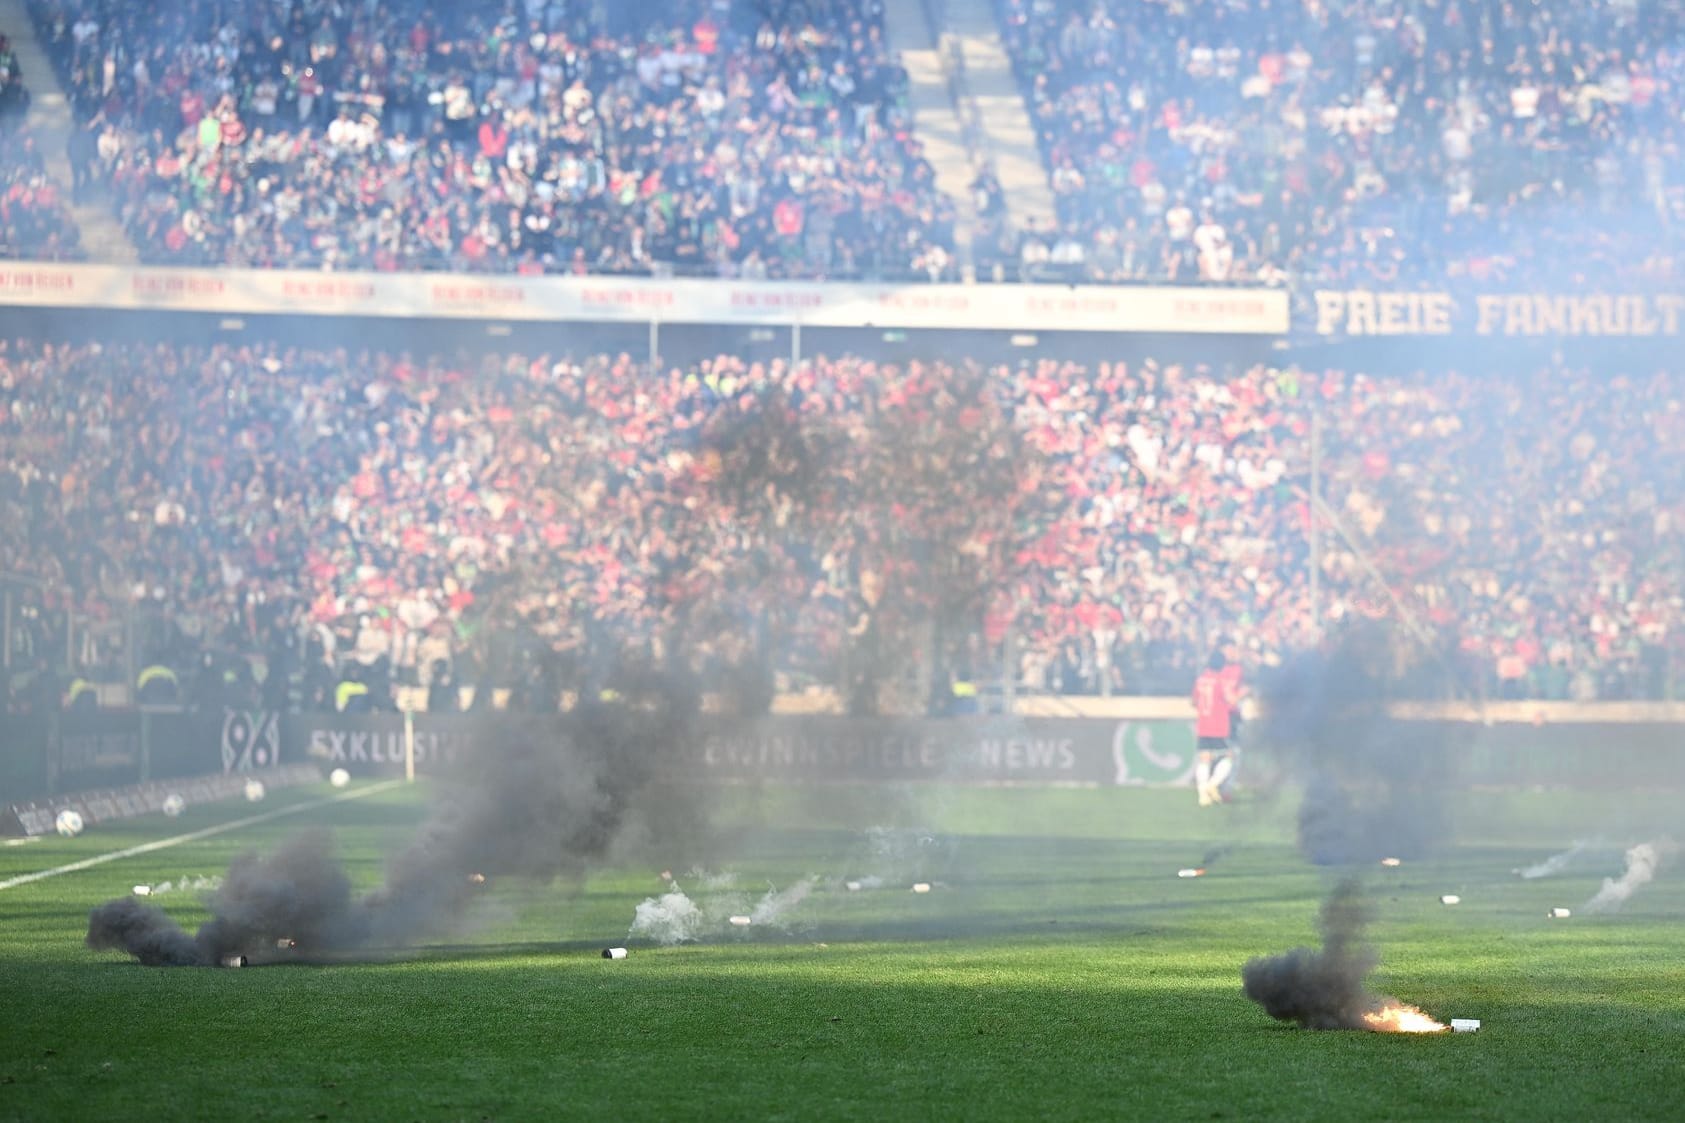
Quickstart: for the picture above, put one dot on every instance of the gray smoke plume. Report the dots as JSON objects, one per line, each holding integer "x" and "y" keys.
{"x": 1374, "y": 786}
{"x": 1641, "y": 863}
{"x": 1322, "y": 988}
{"x": 537, "y": 805}
{"x": 1554, "y": 864}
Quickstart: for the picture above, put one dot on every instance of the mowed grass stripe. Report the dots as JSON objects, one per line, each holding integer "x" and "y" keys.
{"x": 194, "y": 836}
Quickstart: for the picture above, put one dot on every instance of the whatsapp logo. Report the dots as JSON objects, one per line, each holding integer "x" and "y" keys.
{"x": 1158, "y": 753}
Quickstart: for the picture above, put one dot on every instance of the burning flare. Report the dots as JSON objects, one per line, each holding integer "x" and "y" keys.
{"x": 1396, "y": 1017}
{"x": 1323, "y": 988}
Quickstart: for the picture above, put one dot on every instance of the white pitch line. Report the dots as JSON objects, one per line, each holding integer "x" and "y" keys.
{"x": 194, "y": 836}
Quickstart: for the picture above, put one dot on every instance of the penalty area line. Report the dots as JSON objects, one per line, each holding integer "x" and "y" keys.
{"x": 194, "y": 836}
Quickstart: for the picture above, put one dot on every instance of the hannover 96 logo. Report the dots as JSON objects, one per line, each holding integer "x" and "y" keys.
{"x": 250, "y": 740}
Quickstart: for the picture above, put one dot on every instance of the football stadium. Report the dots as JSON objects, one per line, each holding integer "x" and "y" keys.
{"x": 842, "y": 559}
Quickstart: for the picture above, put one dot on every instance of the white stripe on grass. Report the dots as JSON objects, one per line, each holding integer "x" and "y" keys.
{"x": 194, "y": 836}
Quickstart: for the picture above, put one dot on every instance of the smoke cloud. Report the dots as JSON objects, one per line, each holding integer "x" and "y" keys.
{"x": 1323, "y": 988}
{"x": 674, "y": 918}
{"x": 1641, "y": 864}
{"x": 536, "y": 806}
{"x": 925, "y": 503}
{"x": 1374, "y": 786}
{"x": 1320, "y": 988}
{"x": 142, "y": 931}
{"x": 669, "y": 919}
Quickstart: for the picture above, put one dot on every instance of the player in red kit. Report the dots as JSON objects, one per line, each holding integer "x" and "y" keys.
{"x": 1216, "y": 696}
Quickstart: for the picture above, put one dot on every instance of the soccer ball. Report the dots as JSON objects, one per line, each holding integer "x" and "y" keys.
{"x": 254, "y": 790}
{"x": 174, "y": 805}
{"x": 339, "y": 777}
{"x": 69, "y": 822}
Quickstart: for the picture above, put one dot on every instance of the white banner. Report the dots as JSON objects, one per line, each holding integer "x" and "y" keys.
{"x": 1170, "y": 310}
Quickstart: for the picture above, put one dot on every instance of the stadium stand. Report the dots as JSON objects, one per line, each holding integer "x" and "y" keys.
{"x": 732, "y": 139}
{"x": 1353, "y": 141}
{"x": 1212, "y": 141}
{"x": 422, "y": 512}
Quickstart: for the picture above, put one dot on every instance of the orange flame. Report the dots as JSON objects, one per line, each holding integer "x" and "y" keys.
{"x": 1396, "y": 1017}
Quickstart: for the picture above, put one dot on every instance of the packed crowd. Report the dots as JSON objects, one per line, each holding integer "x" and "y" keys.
{"x": 1352, "y": 141}
{"x": 526, "y": 520}
{"x": 1361, "y": 141}
{"x": 34, "y": 222}
{"x": 713, "y": 136}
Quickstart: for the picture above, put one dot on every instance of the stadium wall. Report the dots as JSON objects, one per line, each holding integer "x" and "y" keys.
{"x": 1589, "y": 746}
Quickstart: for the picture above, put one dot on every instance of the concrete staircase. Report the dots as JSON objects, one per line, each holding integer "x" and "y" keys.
{"x": 103, "y": 237}
{"x": 970, "y": 43}
{"x": 936, "y": 118}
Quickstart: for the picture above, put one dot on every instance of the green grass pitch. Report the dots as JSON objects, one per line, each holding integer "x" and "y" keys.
{"x": 1059, "y": 969}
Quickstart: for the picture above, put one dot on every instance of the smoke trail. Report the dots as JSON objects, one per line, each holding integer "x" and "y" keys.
{"x": 187, "y": 885}
{"x": 142, "y": 931}
{"x": 1374, "y": 786}
{"x": 536, "y": 805}
{"x": 674, "y": 918}
{"x": 774, "y": 908}
{"x": 1554, "y": 864}
{"x": 1211, "y": 856}
{"x": 1641, "y": 863}
{"x": 1323, "y": 988}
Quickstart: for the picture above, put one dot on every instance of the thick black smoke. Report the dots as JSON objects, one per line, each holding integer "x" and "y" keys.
{"x": 144, "y": 932}
{"x": 1321, "y": 988}
{"x": 537, "y": 805}
{"x": 929, "y": 499}
{"x": 1375, "y": 785}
